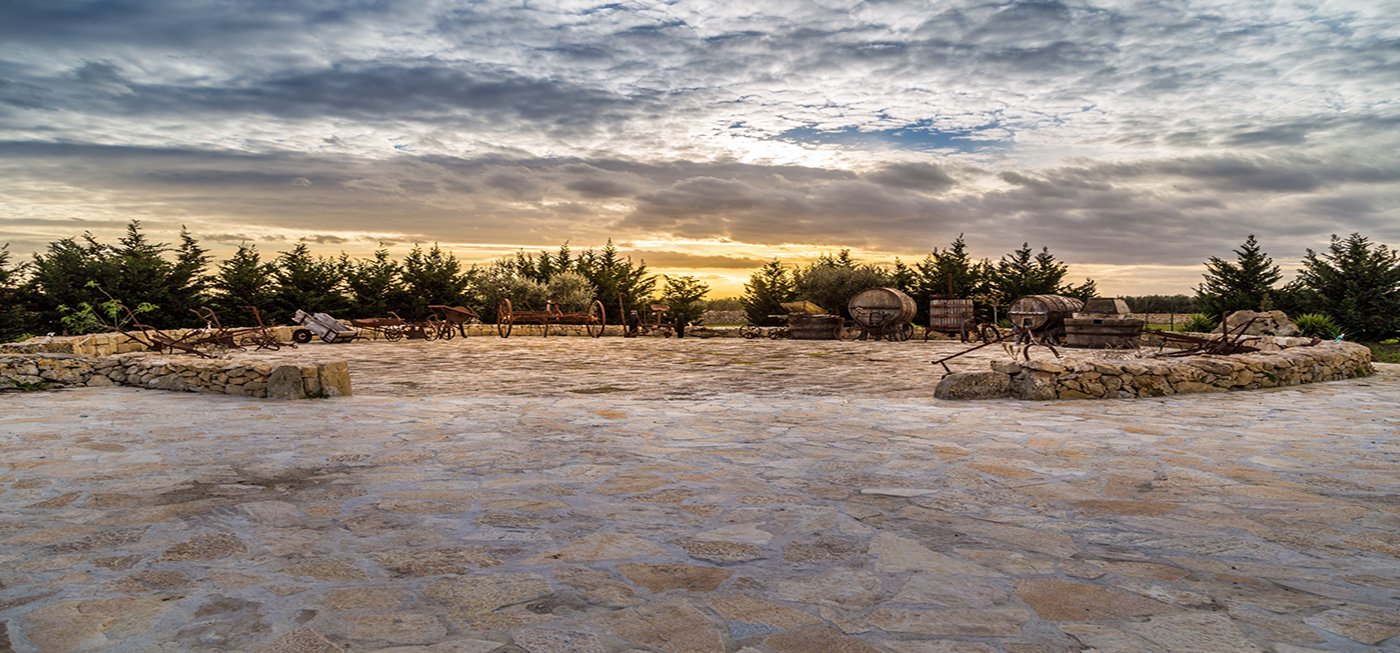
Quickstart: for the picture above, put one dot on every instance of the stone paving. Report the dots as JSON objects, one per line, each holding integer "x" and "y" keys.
{"x": 696, "y": 496}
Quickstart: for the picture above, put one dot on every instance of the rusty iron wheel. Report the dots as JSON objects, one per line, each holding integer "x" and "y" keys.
{"x": 597, "y": 319}
{"x": 503, "y": 318}
{"x": 903, "y": 333}
{"x": 990, "y": 333}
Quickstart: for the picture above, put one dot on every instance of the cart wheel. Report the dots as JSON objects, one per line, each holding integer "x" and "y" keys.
{"x": 393, "y": 334}
{"x": 968, "y": 331}
{"x": 503, "y": 318}
{"x": 850, "y": 330}
{"x": 597, "y": 319}
{"x": 302, "y": 336}
{"x": 903, "y": 333}
{"x": 990, "y": 333}
{"x": 445, "y": 331}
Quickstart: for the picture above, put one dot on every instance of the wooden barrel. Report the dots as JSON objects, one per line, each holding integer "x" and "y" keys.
{"x": 948, "y": 315}
{"x": 877, "y": 307}
{"x": 813, "y": 327}
{"x": 1042, "y": 312}
{"x": 1099, "y": 333}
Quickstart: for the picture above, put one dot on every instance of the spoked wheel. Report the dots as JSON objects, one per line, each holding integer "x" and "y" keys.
{"x": 444, "y": 331}
{"x": 989, "y": 333}
{"x": 850, "y": 330}
{"x": 597, "y": 319}
{"x": 749, "y": 332}
{"x": 902, "y": 333}
{"x": 503, "y": 318}
{"x": 968, "y": 331}
{"x": 394, "y": 333}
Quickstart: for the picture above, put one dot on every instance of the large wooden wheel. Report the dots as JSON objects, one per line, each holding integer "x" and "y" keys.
{"x": 597, "y": 319}
{"x": 504, "y": 318}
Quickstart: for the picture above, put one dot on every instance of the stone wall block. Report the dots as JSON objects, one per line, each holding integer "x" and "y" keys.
{"x": 974, "y": 385}
{"x": 284, "y": 382}
{"x": 335, "y": 379}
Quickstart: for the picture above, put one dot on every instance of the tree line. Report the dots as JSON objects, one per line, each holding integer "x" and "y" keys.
{"x": 1353, "y": 287}
{"x": 1353, "y": 282}
{"x": 832, "y": 280}
{"x": 162, "y": 282}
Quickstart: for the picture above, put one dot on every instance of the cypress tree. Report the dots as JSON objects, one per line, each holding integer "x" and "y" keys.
{"x": 1243, "y": 285}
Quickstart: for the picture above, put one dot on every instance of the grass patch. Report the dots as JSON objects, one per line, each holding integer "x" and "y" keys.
{"x": 1385, "y": 352}
{"x": 25, "y": 386}
{"x": 598, "y": 391}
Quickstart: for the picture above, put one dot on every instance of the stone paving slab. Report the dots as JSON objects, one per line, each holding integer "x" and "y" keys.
{"x": 501, "y": 514}
{"x": 653, "y": 368}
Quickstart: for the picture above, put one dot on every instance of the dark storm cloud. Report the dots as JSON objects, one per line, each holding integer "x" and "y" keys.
{"x": 419, "y": 91}
{"x": 913, "y": 176}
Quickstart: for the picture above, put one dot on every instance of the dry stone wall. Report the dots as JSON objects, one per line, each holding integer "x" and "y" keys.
{"x": 32, "y": 371}
{"x": 1286, "y": 361}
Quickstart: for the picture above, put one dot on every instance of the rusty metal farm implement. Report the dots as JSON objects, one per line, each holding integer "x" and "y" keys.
{"x": 593, "y": 320}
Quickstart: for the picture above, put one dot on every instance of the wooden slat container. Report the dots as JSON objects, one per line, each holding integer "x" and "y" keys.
{"x": 1100, "y": 333}
{"x": 948, "y": 315}
{"x": 813, "y": 327}
{"x": 876, "y": 307}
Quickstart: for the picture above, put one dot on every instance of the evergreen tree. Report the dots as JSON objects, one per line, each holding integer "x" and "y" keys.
{"x": 1357, "y": 285}
{"x": 58, "y": 278}
{"x": 243, "y": 280}
{"x": 614, "y": 276}
{"x": 14, "y": 318}
{"x": 1245, "y": 284}
{"x": 946, "y": 273}
{"x": 543, "y": 267}
{"x": 768, "y": 287}
{"x": 1020, "y": 273}
{"x": 685, "y": 294}
{"x": 434, "y": 277}
{"x": 308, "y": 283}
{"x": 188, "y": 285}
{"x": 375, "y": 285}
{"x": 134, "y": 273}
{"x": 903, "y": 278}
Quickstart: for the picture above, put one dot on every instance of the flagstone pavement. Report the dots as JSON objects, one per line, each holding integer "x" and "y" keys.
{"x": 565, "y": 494}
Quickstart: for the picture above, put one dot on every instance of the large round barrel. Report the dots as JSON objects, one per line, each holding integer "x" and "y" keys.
{"x": 877, "y": 307}
{"x": 1041, "y": 312}
{"x": 1100, "y": 333}
{"x": 802, "y": 326}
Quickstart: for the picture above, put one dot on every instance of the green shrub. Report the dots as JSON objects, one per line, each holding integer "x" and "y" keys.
{"x": 1200, "y": 323}
{"x": 1386, "y": 351}
{"x": 1316, "y": 325}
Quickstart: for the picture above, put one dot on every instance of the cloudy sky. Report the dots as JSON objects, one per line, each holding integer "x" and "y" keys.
{"x": 1133, "y": 138}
